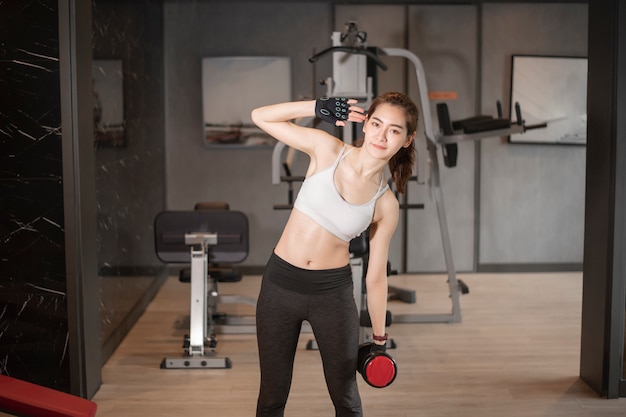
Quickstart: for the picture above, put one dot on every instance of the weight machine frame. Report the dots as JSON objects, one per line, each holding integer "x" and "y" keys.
{"x": 345, "y": 63}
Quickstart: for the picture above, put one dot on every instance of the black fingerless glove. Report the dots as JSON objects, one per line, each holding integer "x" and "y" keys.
{"x": 332, "y": 109}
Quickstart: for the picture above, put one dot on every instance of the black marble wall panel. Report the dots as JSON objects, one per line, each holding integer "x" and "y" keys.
{"x": 33, "y": 303}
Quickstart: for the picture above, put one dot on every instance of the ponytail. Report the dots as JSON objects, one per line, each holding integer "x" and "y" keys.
{"x": 401, "y": 166}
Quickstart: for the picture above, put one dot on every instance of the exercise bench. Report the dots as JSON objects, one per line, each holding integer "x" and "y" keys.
{"x": 26, "y": 399}
{"x": 201, "y": 237}
{"x": 222, "y": 272}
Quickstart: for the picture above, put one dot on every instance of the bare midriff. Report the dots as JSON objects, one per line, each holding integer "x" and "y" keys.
{"x": 306, "y": 244}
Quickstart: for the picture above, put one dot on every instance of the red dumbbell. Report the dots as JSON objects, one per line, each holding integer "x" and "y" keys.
{"x": 376, "y": 366}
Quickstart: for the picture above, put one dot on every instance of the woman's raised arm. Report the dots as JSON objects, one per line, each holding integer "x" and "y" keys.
{"x": 277, "y": 121}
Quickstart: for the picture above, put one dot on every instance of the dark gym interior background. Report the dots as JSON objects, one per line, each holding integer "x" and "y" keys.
{"x": 77, "y": 263}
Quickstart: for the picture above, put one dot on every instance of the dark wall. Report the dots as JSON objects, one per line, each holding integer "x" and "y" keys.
{"x": 130, "y": 176}
{"x": 130, "y": 172}
{"x": 33, "y": 291}
{"x": 603, "y": 347}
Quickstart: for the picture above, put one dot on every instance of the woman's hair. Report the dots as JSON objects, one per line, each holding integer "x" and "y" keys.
{"x": 401, "y": 164}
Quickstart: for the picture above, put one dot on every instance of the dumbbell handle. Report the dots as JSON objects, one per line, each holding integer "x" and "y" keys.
{"x": 376, "y": 366}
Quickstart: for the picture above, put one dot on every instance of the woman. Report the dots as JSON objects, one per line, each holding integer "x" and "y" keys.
{"x": 308, "y": 276}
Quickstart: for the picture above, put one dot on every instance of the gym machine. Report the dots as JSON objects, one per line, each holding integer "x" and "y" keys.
{"x": 354, "y": 67}
{"x": 221, "y": 272}
{"x": 201, "y": 237}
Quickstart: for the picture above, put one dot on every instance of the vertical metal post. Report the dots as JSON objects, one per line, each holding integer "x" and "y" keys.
{"x": 445, "y": 235}
{"x": 198, "y": 302}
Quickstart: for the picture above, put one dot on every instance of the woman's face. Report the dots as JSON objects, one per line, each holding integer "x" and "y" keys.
{"x": 386, "y": 130}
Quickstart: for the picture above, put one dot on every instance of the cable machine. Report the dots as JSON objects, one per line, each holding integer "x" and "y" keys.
{"x": 354, "y": 66}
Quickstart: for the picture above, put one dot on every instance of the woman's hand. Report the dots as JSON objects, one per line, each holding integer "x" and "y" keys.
{"x": 355, "y": 114}
{"x": 338, "y": 110}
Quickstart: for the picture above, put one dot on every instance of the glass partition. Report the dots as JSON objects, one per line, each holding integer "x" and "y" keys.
{"x": 129, "y": 145}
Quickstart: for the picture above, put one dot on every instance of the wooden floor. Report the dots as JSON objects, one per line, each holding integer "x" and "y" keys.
{"x": 516, "y": 353}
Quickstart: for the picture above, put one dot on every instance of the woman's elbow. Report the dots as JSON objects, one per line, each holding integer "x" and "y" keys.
{"x": 255, "y": 114}
{"x": 377, "y": 279}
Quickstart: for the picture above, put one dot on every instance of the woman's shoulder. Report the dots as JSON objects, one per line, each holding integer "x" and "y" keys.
{"x": 334, "y": 145}
{"x": 387, "y": 208}
{"x": 327, "y": 151}
{"x": 389, "y": 200}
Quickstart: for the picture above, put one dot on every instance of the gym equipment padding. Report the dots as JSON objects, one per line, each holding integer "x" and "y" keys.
{"x": 32, "y": 400}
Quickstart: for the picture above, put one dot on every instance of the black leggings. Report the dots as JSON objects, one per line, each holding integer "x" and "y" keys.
{"x": 289, "y": 295}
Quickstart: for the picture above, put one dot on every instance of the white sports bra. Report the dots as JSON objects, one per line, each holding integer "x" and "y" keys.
{"x": 319, "y": 199}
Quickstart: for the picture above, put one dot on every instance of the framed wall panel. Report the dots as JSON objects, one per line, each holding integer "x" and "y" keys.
{"x": 231, "y": 88}
{"x": 552, "y": 90}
